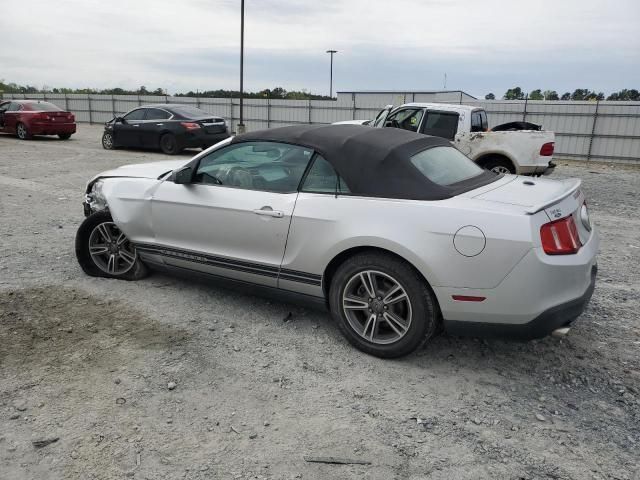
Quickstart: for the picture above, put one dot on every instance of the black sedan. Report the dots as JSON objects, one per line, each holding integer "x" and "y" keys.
{"x": 168, "y": 127}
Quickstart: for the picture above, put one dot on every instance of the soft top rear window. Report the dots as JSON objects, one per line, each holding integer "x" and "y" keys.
{"x": 445, "y": 165}
{"x": 41, "y": 107}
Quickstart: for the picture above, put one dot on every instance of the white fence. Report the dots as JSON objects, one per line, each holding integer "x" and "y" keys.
{"x": 601, "y": 131}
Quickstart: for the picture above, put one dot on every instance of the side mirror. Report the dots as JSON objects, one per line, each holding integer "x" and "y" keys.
{"x": 119, "y": 120}
{"x": 183, "y": 176}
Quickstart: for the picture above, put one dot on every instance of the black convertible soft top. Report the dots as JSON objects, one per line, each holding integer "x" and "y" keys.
{"x": 374, "y": 162}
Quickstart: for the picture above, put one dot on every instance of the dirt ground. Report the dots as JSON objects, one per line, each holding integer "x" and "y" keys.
{"x": 258, "y": 385}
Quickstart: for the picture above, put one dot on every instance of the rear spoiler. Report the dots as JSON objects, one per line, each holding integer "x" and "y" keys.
{"x": 573, "y": 184}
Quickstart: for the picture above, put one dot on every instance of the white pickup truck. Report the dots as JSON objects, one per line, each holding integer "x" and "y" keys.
{"x": 516, "y": 147}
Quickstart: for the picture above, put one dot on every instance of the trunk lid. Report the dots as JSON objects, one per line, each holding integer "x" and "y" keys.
{"x": 558, "y": 198}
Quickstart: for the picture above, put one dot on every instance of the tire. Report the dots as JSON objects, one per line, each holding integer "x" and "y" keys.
{"x": 381, "y": 337}
{"x": 128, "y": 267}
{"x": 64, "y": 136}
{"x": 22, "y": 132}
{"x": 169, "y": 144}
{"x": 499, "y": 165}
{"x": 107, "y": 141}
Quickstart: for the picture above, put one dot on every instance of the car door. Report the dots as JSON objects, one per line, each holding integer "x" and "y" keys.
{"x": 11, "y": 117}
{"x": 3, "y": 108}
{"x": 151, "y": 127}
{"x": 127, "y": 132}
{"x": 232, "y": 216}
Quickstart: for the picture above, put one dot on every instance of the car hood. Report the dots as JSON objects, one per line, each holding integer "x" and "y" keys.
{"x": 143, "y": 170}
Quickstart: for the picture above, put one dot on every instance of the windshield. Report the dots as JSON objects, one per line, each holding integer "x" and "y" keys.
{"x": 445, "y": 165}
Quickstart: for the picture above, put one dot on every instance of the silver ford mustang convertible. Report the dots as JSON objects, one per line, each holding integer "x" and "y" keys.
{"x": 398, "y": 234}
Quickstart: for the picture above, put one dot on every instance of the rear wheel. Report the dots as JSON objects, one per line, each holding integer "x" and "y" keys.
{"x": 169, "y": 144}
{"x": 103, "y": 250}
{"x": 64, "y": 136}
{"x": 382, "y": 305}
{"x": 107, "y": 141}
{"x": 499, "y": 165}
{"x": 22, "y": 132}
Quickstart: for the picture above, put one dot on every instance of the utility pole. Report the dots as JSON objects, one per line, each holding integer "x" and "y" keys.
{"x": 241, "y": 127}
{"x": 331, "y": 73}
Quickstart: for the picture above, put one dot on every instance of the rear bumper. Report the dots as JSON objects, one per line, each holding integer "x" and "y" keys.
{"x": 200, "y": 138}
{"x": 52, "y": 129}
{"x": 540, "y": 294}
{"x": 551, "y": 319}
{"x": 537, "y": 170}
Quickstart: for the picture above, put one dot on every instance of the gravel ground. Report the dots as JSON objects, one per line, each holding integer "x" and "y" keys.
{"x": 169, "y": 378}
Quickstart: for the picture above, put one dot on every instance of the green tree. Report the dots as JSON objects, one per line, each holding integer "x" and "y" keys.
{"x": 489, "y": 96}
{"x": 565, "y": 96}
{"x": 514, "y": 94}
{"x": 551, "y": 95}
{"x": 536, "y": 95}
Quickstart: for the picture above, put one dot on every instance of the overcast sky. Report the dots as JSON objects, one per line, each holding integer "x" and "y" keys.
{"x": 482, "y": 45}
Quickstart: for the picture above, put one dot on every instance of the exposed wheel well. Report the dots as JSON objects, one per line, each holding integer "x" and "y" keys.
{"x": 486, "y": 159}
{"x": 327, "y": 277}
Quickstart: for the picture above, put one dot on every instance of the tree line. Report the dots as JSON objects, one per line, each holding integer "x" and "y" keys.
{"x": 516, "y": 93}
{"x": 277, "y": 92}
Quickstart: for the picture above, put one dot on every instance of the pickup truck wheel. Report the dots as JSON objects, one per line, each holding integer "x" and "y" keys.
{"x": 499, "y": 165}
{"x": 103, "y": 250}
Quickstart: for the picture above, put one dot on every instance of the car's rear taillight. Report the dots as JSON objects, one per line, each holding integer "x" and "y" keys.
{"x": 560, "y": 237}
{"x": 190, "y": 125}
{"x": 547, "y": 149}
{"x": 41, "y": 116}
{"x": 71, "y": 118}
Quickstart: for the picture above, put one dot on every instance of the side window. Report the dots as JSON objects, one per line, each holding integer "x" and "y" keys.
{"x": 13, "y": 107}
{"x": 476, "y": 122}
{"x": 485, "y": 122}
{"x": 4, "y": 106}
{"x": 266, "y": 166}
{"x": 408, "y": 119}
{"x": 322, "y": 178}
{"x": 441, "y": 124}
{"x": 137, "y": 114}
{"x": 156, "y": 114}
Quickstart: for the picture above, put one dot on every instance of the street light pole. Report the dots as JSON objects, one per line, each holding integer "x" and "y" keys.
{"x": 241, "y": 128}
{"x": 331, "y": 73}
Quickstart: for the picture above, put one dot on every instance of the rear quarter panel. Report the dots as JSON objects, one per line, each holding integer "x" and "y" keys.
{"x": 422, "y": 233}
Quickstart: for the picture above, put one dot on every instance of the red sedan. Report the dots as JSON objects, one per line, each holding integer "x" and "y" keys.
{"x": 26, "y": 118}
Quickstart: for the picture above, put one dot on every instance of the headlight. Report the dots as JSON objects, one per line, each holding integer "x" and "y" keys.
{"x": 584, "y": 217}
{"x": 96, "y": 199}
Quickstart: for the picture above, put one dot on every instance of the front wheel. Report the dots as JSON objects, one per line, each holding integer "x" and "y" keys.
{"x": 107, "y": 141}
{"x": 22, "y": 132}
{"x": 382, "y": 305}
{"x": 103, "y": 250}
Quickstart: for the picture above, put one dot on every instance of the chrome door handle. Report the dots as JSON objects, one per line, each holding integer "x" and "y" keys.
{"x": 136, "y": 125}
{"x": 269, "y": 212}
{"x": 159, "y": 124}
